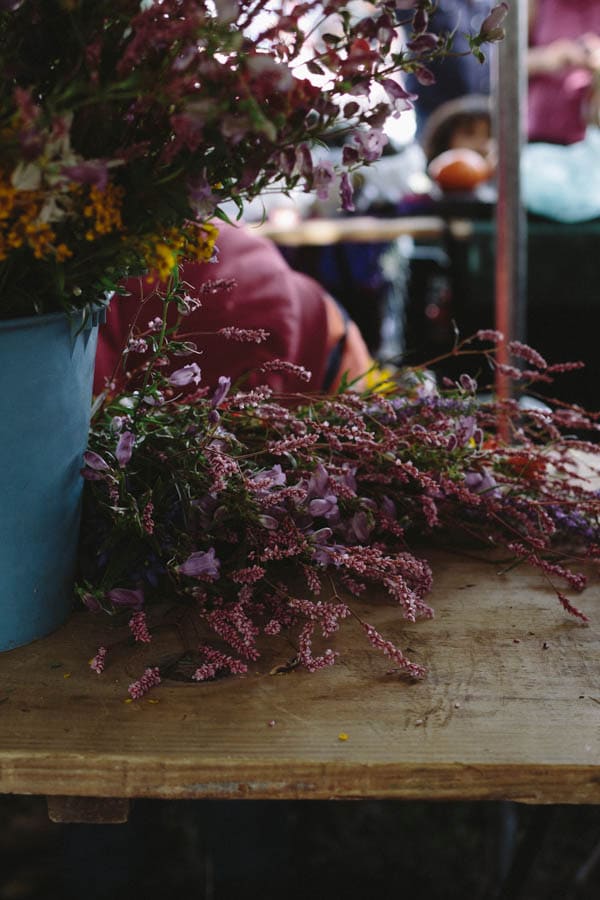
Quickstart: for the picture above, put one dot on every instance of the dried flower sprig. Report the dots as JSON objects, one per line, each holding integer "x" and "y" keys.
{"x": 227, "y": 501}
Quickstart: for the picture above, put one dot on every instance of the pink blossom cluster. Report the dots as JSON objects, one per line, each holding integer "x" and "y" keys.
{"x": 260, "y": 520}
{"x": 138, "y": 626}
{"x": 98, "y": 662}
{"x": 150, "y": 678}
{"x": 250, "y": 335}
{"x": 216, "y": 662}
{"x": 282, "y": 365}
{"x": 394, "y": 653}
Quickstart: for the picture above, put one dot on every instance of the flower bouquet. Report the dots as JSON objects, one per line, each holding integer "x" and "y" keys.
{"x": 125, "y": 124}
{"x": 254, "y": 514}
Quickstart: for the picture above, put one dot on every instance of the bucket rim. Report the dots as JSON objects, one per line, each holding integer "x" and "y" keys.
{"x": 89, "y": 316}
{"x": 40, "y": 321}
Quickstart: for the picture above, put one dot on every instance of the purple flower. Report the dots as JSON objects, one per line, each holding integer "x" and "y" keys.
{"x": 118, "y": 423}
{"x": 467, "y": 383}
{"x": 201, "y": 197}
{"x": 424, "y": 76}
{"x": 91, "y": 602}
{"x": 423, "y": 43}
{"x": 350, "y": 155}
{"x": 323, "y": 506}
{"x": 348, "y": 479}
{"x": 187, "y": 305}
{"x": 318, "y": 481}
{"x": 490, "y": 27}
{"x": 465, "y": 430}
{"x": 287, "y": 160}
{"x": 201, "y": 563}
{"x": 360, "y": 527}
{"x": 189, "y": 374}
{"x": 269, "y": 522}
{"x": 268, "y": 478}
{"x": 31, "y": 143}
{"x": 221, "y": 391}
{"x": 371, "y": 143}
{"x": 304, "y": 161}
{"x": 420, "y": 20}
{"x": 95, "y": 461}
{"x": 451, "y": 442}
{"x": 92, "y": 171}
{"x": 137, "y": 345}
{"x": 127, "y": 598}
{"x": 326, "y": 554}
{"x": 346, "y": 193}
{"x": 401, "y": 98}
{"x": 482, "y": 483}
{"x": 323, "y": 175}
{"x": 388, "y": 507}
{"x": 125, "y": 448}
{"x": 184, "y": 59}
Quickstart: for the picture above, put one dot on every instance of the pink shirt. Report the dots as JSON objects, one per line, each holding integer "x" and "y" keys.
{"x": 557, "y": 101}
{"x": 304, "y": 324}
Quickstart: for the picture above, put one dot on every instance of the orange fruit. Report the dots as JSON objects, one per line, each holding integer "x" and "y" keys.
{"x": 459, "y": 169}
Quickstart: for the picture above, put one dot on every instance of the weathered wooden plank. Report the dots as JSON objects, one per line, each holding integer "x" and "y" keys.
{"x": 510, "y": 709}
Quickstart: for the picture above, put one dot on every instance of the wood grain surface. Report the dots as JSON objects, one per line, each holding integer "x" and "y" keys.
{"x": 510, "y": 708}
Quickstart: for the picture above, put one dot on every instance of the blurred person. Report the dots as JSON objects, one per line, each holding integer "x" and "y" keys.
{"x": 305, "y": 325}
{"x": 458, "y": 147}
{"x": 461, "y": 123}
{"x": 559, "y": 163}
{"x": 563, "y": 65}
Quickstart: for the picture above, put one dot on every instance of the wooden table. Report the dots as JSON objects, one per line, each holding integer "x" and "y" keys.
{"x": 354, "y": 229}
{"x": 510, "y": 710}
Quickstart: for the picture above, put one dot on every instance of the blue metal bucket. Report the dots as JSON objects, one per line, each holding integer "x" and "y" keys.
{"x": 46, "y": 375}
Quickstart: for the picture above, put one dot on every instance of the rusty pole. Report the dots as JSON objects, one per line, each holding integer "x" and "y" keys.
{"x": 509, "y": 91}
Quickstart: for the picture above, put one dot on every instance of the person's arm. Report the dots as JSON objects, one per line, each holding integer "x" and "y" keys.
{"x": 563, "y": 53}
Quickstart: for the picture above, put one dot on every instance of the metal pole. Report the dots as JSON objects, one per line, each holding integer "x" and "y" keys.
{"x": 509, "y": 91}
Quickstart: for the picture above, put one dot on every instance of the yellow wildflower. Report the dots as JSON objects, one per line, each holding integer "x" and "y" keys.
{"x": 40, "y": 238}
{"x": 159, "y": 256}
{"x": 7, "y": 198}
{"x": 104, "y": 211}
{"x": 15, "y": 238}
{"x": 63, "y": 252}
{"x": 162, "y": 252}
{"x": 199, "y": 241}
{"x": 380, "y": 380}
{"x": 165, "y": 260}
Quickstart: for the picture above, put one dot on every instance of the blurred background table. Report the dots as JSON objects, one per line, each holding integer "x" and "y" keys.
{"x": 442, "y": 279}
{"x": 353, "y": 229}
